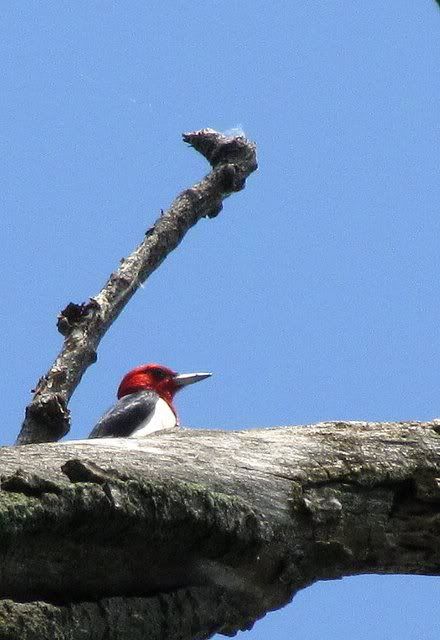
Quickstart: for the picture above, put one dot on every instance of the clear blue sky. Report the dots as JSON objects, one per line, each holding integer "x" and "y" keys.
{"x": 314, "y": 295}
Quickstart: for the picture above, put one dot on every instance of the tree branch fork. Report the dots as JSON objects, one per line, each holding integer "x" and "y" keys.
{"x": 223, "y": 525}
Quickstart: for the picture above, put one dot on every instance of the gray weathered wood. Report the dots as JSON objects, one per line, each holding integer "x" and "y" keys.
{"x": 233, "y": 159}
{"x": 187, "y": 533}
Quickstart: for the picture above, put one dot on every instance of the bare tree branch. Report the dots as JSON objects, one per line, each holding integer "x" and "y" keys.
{"x": 233, "y": 158}
{"x": 200, "y": 532}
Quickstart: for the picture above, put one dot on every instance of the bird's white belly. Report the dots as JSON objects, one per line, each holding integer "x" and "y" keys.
{"x": 161, "y": 418}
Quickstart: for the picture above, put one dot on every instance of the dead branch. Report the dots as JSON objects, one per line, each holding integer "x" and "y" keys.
{"x": 184, "y": 534}
{"x": 233, "y": 159}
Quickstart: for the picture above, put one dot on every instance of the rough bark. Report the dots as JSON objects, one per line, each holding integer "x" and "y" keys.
{"x": 233, "y": 159}
{"x": 200, "y": 532}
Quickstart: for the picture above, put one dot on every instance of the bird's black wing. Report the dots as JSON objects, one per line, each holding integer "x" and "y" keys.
{"x": 123, "y": 418}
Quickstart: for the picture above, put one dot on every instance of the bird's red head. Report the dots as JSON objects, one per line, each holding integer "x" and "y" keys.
{"x": 151, "y": 376}
{"x": 155, "y": 377}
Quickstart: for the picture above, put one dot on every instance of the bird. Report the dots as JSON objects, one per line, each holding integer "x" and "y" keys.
{"x": 145, "y": 402}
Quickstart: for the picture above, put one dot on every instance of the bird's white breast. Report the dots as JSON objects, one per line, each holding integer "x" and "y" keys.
{"x": 161, "y": 418}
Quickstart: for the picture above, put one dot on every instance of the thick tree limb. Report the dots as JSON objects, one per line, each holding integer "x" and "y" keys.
{"x": 233, "y": 158}
{"x": 188, "y": 533}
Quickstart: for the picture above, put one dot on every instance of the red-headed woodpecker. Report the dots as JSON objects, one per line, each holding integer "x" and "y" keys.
{"x": 145, "y": 402}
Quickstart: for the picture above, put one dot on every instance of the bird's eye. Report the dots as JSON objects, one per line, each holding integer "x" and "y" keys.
{"x": 158, "y": 373}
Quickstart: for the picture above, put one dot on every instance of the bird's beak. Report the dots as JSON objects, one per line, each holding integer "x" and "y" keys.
{"x": 182, "y": 379}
